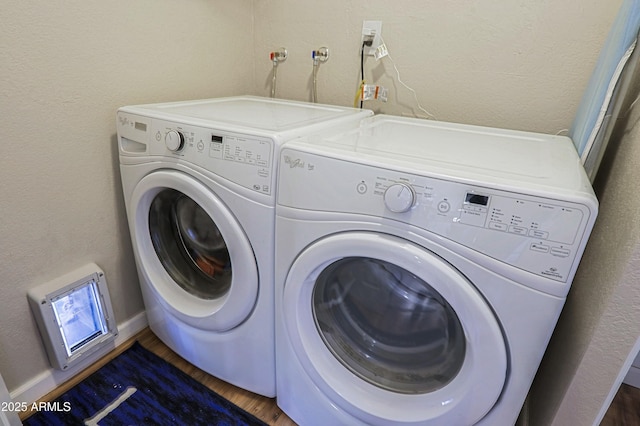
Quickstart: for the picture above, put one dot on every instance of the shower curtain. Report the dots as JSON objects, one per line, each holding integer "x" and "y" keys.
{"x": 602, "y": 99}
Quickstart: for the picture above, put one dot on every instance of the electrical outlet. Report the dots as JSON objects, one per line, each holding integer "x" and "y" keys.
{"x": 371, "y": 29}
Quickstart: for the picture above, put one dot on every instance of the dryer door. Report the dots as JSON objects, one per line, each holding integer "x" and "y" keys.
{"x": 391, "y": 332}
{"x": 192, "y": 251}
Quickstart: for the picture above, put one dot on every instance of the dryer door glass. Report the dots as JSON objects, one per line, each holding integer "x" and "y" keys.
{"x": 189, "y": 245}
{"x": 388, "y": 326}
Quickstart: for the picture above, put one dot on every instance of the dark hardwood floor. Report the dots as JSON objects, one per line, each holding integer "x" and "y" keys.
{"x": 624, "y": 410}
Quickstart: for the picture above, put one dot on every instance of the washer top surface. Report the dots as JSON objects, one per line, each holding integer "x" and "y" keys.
{"x": 463, "y": 151}
{"x": 266, "y": 114}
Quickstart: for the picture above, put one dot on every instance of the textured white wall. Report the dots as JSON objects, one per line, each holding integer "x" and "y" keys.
{"x": 515, "y": 64}
{"x": 600, "y": 324}
{"x": 65, "y": 68}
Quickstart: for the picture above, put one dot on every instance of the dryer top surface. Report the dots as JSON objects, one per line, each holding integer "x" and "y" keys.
{"x": 484, "y": 154}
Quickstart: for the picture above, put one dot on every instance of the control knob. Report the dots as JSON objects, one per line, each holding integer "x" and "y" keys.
{"x": 399, "y": 197}
{"x": 174, "y": 140}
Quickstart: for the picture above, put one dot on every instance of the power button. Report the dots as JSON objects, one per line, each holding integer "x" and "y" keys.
{"x": 361, "y": 188}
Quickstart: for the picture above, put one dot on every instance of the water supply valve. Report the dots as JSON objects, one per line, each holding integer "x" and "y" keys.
{"x": 278, "y": 55}
{"x": 320, "y": 55}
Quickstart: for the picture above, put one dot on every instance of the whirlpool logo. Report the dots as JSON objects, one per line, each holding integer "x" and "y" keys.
{"x": 298, "y": 163}
{"x": 293, "y": 162}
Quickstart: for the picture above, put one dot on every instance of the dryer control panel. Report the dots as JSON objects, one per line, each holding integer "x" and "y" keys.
{"x": 541, "y": 235}
{"x": 246, "y": 160}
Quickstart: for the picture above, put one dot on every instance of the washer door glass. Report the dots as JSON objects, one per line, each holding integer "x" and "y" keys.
{"x": 189, "y": 245}
{"x": 194, "y": 258}
{"x": 388, "y": 326}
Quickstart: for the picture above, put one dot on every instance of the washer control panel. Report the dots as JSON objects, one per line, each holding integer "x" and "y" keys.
{"x": 243, "y": 159}
{"x": 540, "y": 235}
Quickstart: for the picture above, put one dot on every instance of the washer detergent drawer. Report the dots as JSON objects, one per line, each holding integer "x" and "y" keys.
{"x": 543, "y": 235}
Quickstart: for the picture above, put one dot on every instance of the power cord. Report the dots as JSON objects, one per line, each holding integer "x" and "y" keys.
{"x": 364, "y": 43}
{"x": 415, "y": 95}
{"x": 367, "y": 41}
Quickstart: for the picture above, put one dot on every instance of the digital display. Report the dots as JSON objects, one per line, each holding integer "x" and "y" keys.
{"x": 215, "y": 138}
{"x": 140, "y": 126}
{"x": 480, "y": 200}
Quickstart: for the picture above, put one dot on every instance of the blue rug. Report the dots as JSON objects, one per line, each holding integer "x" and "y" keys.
{"x": 139, "y": 388}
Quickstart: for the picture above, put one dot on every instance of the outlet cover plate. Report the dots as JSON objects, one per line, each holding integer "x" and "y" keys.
{"x": 367, "y": 28}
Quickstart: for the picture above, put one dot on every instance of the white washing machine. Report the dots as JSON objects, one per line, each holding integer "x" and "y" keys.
{"x": 199, "y": 187}
{"x": 420, "y": 270}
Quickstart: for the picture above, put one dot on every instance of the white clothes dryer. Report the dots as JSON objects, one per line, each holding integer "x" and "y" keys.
{"x": 199, "y": 189}
{"x": 420, "y": 270}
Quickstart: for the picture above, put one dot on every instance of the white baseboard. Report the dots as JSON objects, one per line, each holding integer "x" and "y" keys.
{"x": 50, "y": 379}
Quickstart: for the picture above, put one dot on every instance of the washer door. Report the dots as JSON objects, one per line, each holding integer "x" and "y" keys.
{"x": 193, "y": 252}
{"x": 391, "y": 332}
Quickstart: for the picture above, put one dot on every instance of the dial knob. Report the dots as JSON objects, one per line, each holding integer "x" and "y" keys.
{"x": 174, "y": 140}
{"x": 399, "y": 197}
